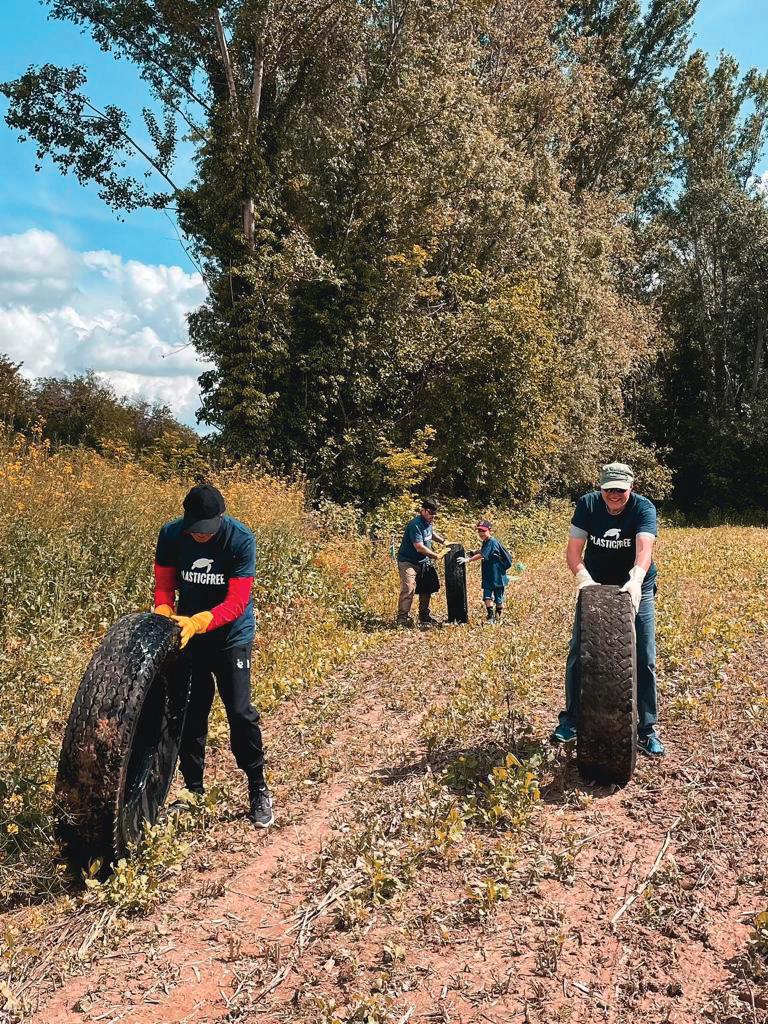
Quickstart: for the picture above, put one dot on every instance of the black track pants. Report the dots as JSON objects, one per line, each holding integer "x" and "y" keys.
{"x": 231, "y": 671}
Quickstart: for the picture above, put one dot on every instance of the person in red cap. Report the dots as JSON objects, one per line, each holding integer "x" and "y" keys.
{"x": 496, "y": 561}
{"x": 209, "y": 560}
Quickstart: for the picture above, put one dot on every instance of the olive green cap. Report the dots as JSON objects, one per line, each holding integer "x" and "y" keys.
{"x": 616, "y": 474}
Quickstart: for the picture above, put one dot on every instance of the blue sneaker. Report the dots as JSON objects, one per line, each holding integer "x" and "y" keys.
{"x": 651, "y": 745}
{"x": 564, "y": 733}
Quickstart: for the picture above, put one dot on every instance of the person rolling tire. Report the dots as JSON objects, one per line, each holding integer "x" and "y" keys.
{"x": 456, "y": 584}
{"x": 606, "y": 747}
{"x": 121, "y": 742}
{"x": 610, "y": 543}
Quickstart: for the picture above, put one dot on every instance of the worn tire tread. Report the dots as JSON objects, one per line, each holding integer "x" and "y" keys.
{"x": 100, "y": 732}
{"x": 455, "y": 584}
{"x": 607, "y": 727}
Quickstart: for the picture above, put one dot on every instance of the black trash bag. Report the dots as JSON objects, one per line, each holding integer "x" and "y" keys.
{"x": 427, "y": 580}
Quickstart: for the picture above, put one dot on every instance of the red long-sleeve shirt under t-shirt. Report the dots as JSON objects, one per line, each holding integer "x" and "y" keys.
{"x": 216, "y": 576}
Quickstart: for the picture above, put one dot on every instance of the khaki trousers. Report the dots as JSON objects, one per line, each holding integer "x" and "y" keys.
{"x": 408, "y": 572}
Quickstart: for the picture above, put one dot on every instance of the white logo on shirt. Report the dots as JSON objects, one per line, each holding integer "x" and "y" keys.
{"x": 615, "y": 533}
{"x": 605, "y": 542}
{"x": 195, "y": 575}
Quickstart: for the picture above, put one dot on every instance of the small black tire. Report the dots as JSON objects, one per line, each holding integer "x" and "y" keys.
{"x": 121, "y": 742}
{"x": 606, "y": 748}
{"x": 456, "y": 584}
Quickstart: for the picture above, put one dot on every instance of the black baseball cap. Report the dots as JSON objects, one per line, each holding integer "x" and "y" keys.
{"x": 203, "y": 509}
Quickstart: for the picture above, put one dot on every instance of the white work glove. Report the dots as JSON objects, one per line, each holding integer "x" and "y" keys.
{"x": 583, "y": 579}
{"x": 634, "y": 586}
{"x": 461, "y": 561}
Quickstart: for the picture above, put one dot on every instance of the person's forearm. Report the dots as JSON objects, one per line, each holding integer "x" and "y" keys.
{"x": 235, "y": 602}
{"x": 438, "y": 537}
{"x": 574, "y": 556}
{"x": 424, "y": 550}
{"x": 165, "y": 586}
{"x": 644, "y": 551}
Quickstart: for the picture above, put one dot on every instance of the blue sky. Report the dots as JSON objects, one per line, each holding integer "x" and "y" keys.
{"x": 46, "y": 213}
{"x": 48, "y": 200}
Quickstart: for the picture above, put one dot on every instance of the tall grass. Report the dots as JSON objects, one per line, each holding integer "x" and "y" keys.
{"x": 79, "y": 537}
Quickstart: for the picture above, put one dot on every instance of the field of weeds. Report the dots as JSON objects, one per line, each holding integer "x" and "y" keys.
{"x": 77, "y": 554}
{"x": 434, "y": 859}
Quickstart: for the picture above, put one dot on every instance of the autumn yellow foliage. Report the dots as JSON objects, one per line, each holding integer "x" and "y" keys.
{"x": 79, "y": 539}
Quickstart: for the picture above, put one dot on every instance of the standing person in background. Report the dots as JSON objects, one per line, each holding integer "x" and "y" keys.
{"x": 210, "y": 559}
{"x": 496, "y": 561}
{"x": 415, "y": 552}
{"x": 611, "y": 540}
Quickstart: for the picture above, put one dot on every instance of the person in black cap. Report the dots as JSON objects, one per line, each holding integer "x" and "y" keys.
{"x": 413, "y": 556}
{"x": 209, "y": 559}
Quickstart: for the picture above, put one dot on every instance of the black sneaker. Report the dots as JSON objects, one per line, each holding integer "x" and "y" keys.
{"x": 428, "y": 620}
{"x": 260, "y": 812}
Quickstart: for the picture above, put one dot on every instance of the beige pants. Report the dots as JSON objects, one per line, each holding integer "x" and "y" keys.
{"x": 408, "y": 572}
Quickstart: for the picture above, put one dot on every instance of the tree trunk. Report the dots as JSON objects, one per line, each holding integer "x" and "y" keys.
{"x": 253, "y": 120}
{"x": 225, "y": 59}
{"x": 757, "y": 362}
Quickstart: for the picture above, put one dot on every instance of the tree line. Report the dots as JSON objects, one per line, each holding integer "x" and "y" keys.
{"x": 85, "y": 411}
{"x": 499, "y": 240}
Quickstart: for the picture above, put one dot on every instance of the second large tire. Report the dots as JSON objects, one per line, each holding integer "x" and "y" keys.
{"x": 607, "y": 729}
{"x": 456, "y": 584}
{"x": 121, "y": 741}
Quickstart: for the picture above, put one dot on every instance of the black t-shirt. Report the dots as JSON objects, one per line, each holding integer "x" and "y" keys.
{"x": 203, "y": 572}
{"x": 611, "y": 540}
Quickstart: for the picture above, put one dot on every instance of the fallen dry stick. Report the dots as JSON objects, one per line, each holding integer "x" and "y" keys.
{"x": 655, "y": 867}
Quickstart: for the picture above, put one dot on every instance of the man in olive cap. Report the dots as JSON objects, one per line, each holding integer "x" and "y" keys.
{"x": 209, "y": 559}
{"x": 611, "y": 540}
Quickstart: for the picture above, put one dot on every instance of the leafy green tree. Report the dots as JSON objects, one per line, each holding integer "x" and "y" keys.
{"x": 408, "y": 214}
{"x": 711, "y": 395}
{"x": 15, "y": 396}
{"x": 84, "y": 410}
{"x": 619, "y": 54}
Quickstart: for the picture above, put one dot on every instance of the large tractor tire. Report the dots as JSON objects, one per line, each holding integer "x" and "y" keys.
{"x": 121, "y": 742}
{"x": 607, "y": 728}
{"x": 456, "y": 584}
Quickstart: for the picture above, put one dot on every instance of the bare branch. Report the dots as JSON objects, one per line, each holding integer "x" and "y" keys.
{"x": 227, "y": 62}
{"x": 258, "y": 75}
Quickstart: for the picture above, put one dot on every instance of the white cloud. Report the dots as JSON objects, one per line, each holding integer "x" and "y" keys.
{"x": 64, "y": 312}
{"x": 35, "y": 268}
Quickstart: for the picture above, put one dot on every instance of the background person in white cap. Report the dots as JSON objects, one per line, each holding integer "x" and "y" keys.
{"x": 611, "y": 540}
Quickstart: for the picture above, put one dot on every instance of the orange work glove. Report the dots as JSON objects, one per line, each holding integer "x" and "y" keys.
{"x": 191, "y": 625}
{"x": 164, "y": 609}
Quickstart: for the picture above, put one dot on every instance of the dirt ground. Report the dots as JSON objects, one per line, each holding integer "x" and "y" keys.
{"x": 380, "y": 897}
